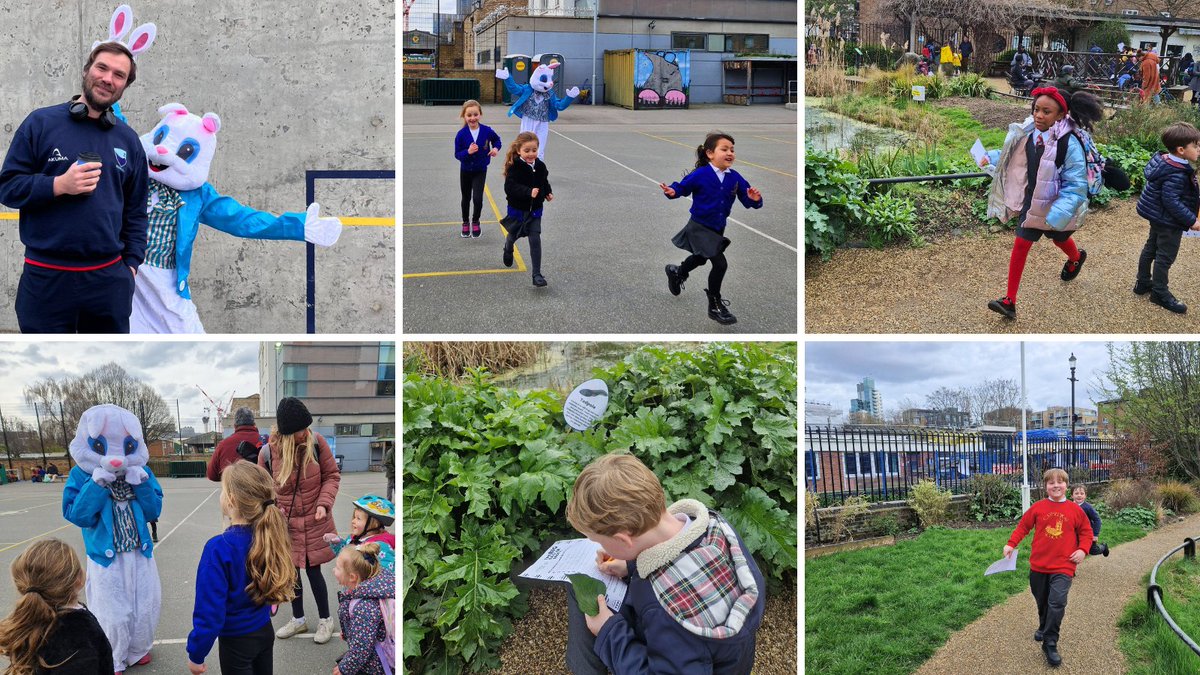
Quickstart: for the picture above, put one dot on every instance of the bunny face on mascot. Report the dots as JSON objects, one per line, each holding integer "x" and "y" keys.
{"x": 109, "y": 445}
{"x": 180, "y": 149}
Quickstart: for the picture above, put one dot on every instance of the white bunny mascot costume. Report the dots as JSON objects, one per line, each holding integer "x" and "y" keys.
{"x": 112, "y": 495}
{"x": 535, "y": 103}
{"x": 179, "y": 151}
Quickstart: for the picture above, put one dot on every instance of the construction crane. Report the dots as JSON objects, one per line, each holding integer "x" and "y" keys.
{"x": 220, "y": 410}
{"x": 407, "y": 6}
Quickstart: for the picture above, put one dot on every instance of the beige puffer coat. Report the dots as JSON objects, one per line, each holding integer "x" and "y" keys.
{"x": 317, "y": 487}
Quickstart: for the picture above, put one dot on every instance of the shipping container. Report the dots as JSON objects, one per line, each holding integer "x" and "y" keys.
{"x": 642, "y": 79}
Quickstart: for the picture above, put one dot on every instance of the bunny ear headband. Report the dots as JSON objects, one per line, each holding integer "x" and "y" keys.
{"x": 139, "y": 40}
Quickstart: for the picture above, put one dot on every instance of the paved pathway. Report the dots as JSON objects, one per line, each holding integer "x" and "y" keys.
{"x": 1001, "y": 641}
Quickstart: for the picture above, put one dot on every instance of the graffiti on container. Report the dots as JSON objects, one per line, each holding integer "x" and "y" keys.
{"x": 663, "y": 78}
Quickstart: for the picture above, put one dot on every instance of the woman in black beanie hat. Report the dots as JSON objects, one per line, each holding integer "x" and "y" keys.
{"x": 307, "y": 478}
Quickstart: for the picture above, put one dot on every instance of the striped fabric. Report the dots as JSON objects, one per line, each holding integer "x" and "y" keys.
{"x": 710, "y": 589}
{"x": 162, "y": 211}
{"x": 125, "y": 531}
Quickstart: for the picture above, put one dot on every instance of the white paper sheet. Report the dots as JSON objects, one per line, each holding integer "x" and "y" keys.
{"x": 978, "y": 152}
{"x": 1008, "y": 564}
{"x": 576, "y": 556}
{"x": 1191, "y": 233}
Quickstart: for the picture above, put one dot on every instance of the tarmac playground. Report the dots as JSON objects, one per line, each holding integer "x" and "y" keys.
{"x": 607, "y": 235}
{"x": 191, "y": 515}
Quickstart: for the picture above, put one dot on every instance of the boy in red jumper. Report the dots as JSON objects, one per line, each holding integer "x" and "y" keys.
{"x": 1062, "y": 535}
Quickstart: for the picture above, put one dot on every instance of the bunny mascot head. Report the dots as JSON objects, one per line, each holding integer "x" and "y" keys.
{"x": 112, "y": 495}
{"x": 536, "y": 103}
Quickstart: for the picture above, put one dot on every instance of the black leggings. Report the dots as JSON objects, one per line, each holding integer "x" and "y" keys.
{"x": 247, "y": 654}
{"x": 535, "y": 250}
{"x": 320, "y": 592}
{"x": 715, "y": 276}
{"x": 471, "y": 184}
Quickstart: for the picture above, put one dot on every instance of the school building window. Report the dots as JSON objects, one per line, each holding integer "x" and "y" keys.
{"x": 295, "y": 380}
{"x": 484, "y": 56}
{"x": 385, "y": 379}
{"x": 697, "y": 41}
{"x": 347, "y": 430}
{"x": 812, "y": 468}
{"x": 747, "y": 42}
{"x": 870, "y": 463}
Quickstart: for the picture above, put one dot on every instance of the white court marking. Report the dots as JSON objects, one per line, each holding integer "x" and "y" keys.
{"x": 163, "y": 540}
{"x": 28, "y": 508}
{"x": 738, "y": 222}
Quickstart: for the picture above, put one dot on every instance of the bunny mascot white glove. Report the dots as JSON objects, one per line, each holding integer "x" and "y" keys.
{"x": 112, "y": 496}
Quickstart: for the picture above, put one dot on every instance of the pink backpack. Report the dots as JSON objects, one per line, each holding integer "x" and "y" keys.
{"x": 386, "y": 648}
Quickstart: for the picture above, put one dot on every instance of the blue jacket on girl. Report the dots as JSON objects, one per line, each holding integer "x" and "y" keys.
{"x": 479, "y": 161}
{"x": 712, "y": 198}
{"x": 88, "y": 505}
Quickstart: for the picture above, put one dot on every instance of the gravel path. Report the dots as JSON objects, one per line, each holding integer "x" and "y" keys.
{"x": 539, "y": 642}
{"x": 1001, "y": 641}
{"x": 945, "y": 288}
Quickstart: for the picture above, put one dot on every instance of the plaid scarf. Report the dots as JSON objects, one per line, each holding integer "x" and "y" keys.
{"x": 708, "y": 588}
{"x": 125, "y": 531}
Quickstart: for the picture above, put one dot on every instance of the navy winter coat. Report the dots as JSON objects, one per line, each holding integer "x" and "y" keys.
{"x": 1171, "y": 197}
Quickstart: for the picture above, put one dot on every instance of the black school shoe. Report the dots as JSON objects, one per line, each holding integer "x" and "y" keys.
{"x": 1052, "y": 655}
{"x": 675, "y": 279}
{"x": 1037, "y": 636}
{"x": 1004, "y": 306}
{"x": 508, "y": 256}
{"x": 1070, "y": 269}
{"x": 1104, "y": 550}
{"x": 1168, "y": 302}
{"x": 1140, "y": 289}
{"x": 539, "y": 280}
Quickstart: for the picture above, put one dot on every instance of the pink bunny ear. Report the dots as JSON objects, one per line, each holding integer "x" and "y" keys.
{"x": 211, "y": 123}
{"x": 177, "y": 108}
{"x": 552, "y": 66}
{"x": 141, "y": 38}
{"x": 121, "y": 22}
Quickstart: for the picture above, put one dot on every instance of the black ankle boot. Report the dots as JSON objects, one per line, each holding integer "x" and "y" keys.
{"x": 717, "y": 309}
{"x": 1052, "y": 655}
{"x": 675, "y": 279}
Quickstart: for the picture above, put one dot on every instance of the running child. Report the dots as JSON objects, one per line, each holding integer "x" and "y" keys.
{"x": 475, "y": 145}
{"x": 369, "y": 522}
{"x": 242, "y": 572}
{"x": 1048, "y": 199}
{"x": 713, "y": 186}
{"x": 49, "y": 630}
{"x": 366, "y": 611}
{"x": 527, "y": 187}
{"x": 1079, "y": 496}
{"x": 1170, "y": 201}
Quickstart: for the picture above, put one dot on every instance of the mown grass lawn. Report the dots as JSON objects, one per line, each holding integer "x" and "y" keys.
{"x": 1150, "y": 646}
{"x": 887, "y": 610}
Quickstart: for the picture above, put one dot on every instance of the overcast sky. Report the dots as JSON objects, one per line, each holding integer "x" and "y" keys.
{"x": 832, "y": 370}
{"x": 173, "y": 369}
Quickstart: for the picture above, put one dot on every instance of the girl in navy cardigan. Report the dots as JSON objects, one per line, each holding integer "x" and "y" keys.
{"x": 713, "y": 186}
{"x": 474, "y": 147}
{"x": 242, "y": 572}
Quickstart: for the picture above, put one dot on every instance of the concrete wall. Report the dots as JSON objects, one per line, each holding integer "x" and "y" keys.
{"x": 297, "y": 88}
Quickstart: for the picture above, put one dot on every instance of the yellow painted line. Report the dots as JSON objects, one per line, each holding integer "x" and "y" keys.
{"x": 456, "y": 222}
{"x": 742, "y": 161}
{"x": 516, "y": 250}
{"x": 351, "y": 221}
{"x": 775, "y": 140}
{"x": 36, "y": 537}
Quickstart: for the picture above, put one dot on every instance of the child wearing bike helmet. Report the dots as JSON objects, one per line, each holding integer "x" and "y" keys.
{"x": 372, "y": 515}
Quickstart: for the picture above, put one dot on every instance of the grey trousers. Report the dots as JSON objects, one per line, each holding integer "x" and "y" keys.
{"x": 1050, "y": 592}
{"x": 581, "y": 653}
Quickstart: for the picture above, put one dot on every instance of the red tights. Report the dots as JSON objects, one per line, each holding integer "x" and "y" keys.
{"x": 1020, "y": 251}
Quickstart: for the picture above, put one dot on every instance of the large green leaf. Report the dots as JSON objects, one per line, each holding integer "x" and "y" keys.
{"x": 586, "y": 589}
{"x": 414, "y": 632}
{"x": 768, "y": 531}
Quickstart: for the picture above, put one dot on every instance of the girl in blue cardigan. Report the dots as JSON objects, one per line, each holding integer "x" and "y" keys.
{"x": 475, "y": 145}
{"x": 713, "y": 186}
{"x": 242, "y": 572}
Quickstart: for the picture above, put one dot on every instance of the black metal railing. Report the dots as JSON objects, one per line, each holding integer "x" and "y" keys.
{"x": 1154, "y": 592}
{"x": 883, "y": 463}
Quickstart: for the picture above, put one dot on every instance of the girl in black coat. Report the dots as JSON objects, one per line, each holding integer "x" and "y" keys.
{"x": 527, "y": 187}
{"x": 48, "y": 631}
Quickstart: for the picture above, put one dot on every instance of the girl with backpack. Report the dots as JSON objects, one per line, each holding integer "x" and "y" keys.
{"x": 1047, "y": 198}
{"x": 307, "y": 478}
{"x": 242, "y": 571}
{"x": 366, "y": 612}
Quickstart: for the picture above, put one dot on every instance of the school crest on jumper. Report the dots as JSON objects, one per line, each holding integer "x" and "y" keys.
{"x": 1055, "y": 531}
{"x": 122, "y": 158}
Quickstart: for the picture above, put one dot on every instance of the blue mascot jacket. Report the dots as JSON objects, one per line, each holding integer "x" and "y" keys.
{"x": 522, "y": 92}
{"x": 88, "y": 505}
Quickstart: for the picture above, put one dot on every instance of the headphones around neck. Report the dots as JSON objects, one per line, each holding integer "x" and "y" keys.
{"x": 79, "y": 112}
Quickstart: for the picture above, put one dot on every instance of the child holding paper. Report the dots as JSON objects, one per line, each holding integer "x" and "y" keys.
{"x": 696, "y": 596}
{"x": 1062, "y": 536}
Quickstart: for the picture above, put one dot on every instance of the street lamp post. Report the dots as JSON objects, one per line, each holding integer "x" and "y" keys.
{"x": 1072, "y": 379}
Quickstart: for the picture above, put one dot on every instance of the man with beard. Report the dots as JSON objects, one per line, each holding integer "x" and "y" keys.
{"x": 78, "y": 176}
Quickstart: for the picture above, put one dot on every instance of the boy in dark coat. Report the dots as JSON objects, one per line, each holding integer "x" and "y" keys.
{"x": 1079, "y": 496}
{"x": 1169, "y": 201}
{"x": 695, "y": 597}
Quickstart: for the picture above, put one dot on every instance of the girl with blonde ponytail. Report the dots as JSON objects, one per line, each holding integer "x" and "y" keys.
{"x": 48, "y": 630}
{"x": 242, "y": 572}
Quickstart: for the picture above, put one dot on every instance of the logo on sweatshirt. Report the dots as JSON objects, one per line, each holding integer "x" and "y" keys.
{"x": 122, "y": 158}
{"x": 56, "y": 156}
{"x": 1055, "y": 531}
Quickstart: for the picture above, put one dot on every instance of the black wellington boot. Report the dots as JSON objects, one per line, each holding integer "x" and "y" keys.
{"x": 718, "y": 309}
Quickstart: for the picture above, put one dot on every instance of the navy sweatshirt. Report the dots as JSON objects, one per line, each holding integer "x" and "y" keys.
{"x": 1093, "y": 517}
{"x": 222, "y": 606}
{"x": 76, "y": 230}
{"x": 712, "y": 200}
{"x": 479, "y": 161}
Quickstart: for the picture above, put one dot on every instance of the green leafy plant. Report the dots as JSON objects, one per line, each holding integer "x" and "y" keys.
{"x": 930, "y": 502}
{"x": 852, "y": 509}
{"x": 970, "y": 85}
{"x": 1138, "y": 516}
{"x": 833, "y": 200}
{"x": 888, "y": 218}
{"x": 488, "y": 471}
{"x": 993, "y": 498}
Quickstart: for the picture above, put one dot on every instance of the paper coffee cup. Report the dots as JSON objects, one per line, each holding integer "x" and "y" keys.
{"x": 88, "y": 157}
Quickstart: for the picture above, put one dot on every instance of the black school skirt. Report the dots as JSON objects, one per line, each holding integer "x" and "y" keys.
{"x": 700, "y": 240}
